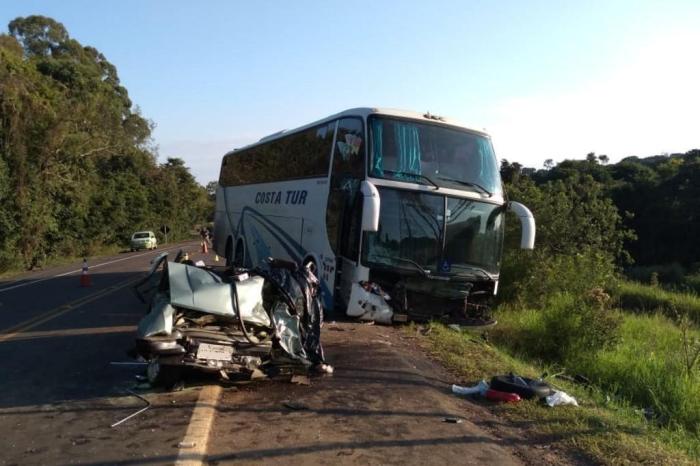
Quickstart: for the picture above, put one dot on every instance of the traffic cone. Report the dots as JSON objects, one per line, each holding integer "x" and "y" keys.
{"x": 204, "y": 247}
{"x": 85, "y": 280}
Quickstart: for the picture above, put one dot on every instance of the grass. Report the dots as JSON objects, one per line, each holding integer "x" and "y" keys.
{"x": 604, "y": 429}
{"x": 640, "y": 298}
{"x": 646, "y": 367}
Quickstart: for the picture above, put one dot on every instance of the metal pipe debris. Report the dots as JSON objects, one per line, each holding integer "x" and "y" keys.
{"x": 148, "y": 405}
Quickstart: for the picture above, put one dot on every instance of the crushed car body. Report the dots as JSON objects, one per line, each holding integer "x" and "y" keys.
{"x": 234, "y": 322}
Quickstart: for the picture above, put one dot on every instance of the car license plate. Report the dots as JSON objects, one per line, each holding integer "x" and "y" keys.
{"x": 215, "y": 352}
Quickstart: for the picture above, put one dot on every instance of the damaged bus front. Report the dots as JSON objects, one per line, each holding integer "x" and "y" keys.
{"x": 438, "y": 243}
{"x": 401, "y": 215}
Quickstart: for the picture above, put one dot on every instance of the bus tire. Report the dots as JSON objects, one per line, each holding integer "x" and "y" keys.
{"x": 239, "y": 256}
{"x": 229, "y": 253}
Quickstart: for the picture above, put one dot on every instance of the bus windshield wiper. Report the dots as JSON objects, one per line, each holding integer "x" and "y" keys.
{"x": 467, "y": 183}
{"x": 483, "y": 272}
{"x": 424, "y": 272}
{"x": 416, "y": 175}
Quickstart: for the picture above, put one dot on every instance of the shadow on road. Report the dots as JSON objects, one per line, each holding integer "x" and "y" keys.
{"x": 67, "y": 357}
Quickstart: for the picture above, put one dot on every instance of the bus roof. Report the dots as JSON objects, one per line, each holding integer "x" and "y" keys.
{"x": 365, "y": 112}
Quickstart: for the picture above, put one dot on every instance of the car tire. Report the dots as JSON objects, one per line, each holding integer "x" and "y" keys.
{"x": 161, "y": 375}
{"x": 526, "y": 388}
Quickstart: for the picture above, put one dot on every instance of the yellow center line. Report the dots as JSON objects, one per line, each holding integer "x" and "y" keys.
{"x": 72, "y": 332}
{"x": 8, "y": 334}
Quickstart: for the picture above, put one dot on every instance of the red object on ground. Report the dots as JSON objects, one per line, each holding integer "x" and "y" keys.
{"x": 496, "y": 395}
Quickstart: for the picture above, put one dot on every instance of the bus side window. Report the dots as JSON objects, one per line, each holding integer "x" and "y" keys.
{"x": 349, "y": 151}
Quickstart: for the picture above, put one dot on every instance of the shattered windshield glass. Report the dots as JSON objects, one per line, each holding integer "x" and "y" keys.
{"x": 431, "y": 154}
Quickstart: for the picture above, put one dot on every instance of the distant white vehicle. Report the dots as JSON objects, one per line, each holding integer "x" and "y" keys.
{"x": 143, "y": 240}
{"x": 412, "y": 202}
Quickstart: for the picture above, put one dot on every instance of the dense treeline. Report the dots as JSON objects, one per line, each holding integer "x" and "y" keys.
{"x": 77, "y": 165}
{"x": 657, "y": 200}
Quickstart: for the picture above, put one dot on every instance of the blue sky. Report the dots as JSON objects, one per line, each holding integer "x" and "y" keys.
{"x": 546, "y": 79}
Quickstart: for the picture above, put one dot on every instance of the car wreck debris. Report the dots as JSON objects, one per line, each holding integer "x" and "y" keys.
{"x": 148, "y": 405}
{"x": 237, "y": 322}
{"x": 513, "y": 388}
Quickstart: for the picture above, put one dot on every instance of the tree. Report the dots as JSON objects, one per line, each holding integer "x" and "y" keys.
{"x": 77, "y": 167}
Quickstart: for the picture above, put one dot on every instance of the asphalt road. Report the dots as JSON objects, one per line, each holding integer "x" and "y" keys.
{"x": 59, "y": 392}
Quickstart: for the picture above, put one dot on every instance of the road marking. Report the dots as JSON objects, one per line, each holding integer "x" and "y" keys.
{"x": 34, "y": 282}
{"x": 8, "y": 334}
{"x": 72, "y": 332}
{"x": 193, "y": 448}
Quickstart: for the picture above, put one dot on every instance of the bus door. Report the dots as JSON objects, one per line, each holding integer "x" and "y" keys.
{"x": 344, "y": 210}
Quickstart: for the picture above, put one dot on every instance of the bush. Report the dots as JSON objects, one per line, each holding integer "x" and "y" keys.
{"x": 567, "y": 330}
{"x": 531, "y": 278}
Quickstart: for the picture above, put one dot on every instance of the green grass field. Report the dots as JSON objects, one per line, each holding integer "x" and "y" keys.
{"x": 639, "y": 298}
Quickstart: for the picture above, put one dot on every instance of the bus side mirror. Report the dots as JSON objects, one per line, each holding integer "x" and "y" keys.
{"x": 527, "y": 224}
{"x": 370, "y": 206}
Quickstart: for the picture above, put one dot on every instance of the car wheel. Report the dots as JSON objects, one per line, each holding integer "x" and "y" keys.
{"x": 160, "y": 375}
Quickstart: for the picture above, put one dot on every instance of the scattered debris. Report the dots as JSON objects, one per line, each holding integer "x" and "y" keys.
{"x": 513, "y": 388}
{"x": 523, "y": 386}
{"x": 301, "y": 380}
{"x": 478, "y": 389}
{"x": 452, "y": 420}
{"x": 324, "y": 369}
{"x": 148, "y": 405}
{"x": 295, "y": 405}
{"x": 559, "y": 398}
{"x": 497, "y": 395}
{"x": 187, "y": 444}
{"x": 455, "y": 327}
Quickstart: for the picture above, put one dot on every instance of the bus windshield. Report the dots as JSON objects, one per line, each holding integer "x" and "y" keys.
{"x": 430, "y": 154}
{"x": 428, "y": 232}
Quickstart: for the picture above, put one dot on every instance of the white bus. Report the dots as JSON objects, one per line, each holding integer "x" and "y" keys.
{"x": 412, "y": 202}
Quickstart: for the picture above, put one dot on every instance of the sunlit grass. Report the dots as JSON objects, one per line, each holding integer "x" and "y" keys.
{"x": 639, "y": 298}
{"x": 605, "y": 429}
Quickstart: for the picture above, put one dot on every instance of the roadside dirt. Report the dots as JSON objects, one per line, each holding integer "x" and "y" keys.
{"x": 386, "y": 403}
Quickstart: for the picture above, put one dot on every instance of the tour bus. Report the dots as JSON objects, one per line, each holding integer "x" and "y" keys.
{"x": 411, "y": 202}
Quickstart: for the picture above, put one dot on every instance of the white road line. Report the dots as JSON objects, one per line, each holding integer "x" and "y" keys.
{"x": 193, "y": 448}
{"x": 34, "y": 282}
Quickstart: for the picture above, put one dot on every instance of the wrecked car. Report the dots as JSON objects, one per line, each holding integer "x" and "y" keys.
{"x": 233, "y": 322}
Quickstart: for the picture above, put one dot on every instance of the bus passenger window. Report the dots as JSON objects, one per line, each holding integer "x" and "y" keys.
{"x": 349, "y": 151}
